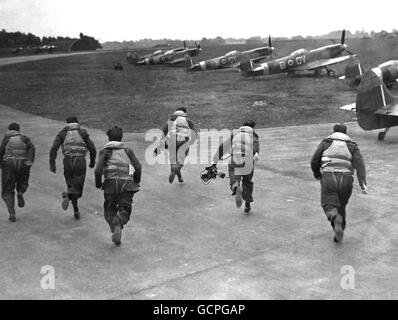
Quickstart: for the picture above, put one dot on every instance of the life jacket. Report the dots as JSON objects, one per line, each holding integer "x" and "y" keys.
{"x": 16, "y": 148}
{"x": 337, "y": 158}
{"x": 118, "y": 166}
{"x": 242, "y": 143}
{"x": 180, "y": 126}
{"x": 74, "y": 145}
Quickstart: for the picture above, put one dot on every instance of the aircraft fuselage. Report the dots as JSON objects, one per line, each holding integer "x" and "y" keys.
{"x": 298, "y": 60}
{"x": 173, "y": 55}
{"x": 231, "y": 59}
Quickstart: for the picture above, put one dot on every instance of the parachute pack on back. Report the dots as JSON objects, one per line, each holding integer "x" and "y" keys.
{"x": 180, "y": 128}
{"x": 16, "y": 148}
{"x": 118, "y": 166}
{"x": 337, "y": 158}
{"x": 74, "y": 145}
{"x": 242, "y": 143}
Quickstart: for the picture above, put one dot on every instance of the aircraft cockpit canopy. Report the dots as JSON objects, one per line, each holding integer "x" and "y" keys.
{"x": 158, "y": 52}
{"x": 299, "y": 52}
{"x": 232, "y": 53}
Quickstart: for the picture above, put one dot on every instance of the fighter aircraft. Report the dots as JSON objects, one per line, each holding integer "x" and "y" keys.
{"x": 232, "y": 59}
{"x": 172, "y": 56}
{"x": 16, "y": 50}
{"x": 34, "y": 49}
{"x": 387, "y": 72}
{"x": 46, "y": 49}
{"x": 316, "y": 60}
{"x": 375, "y": 106}
{"x": 134, "y": 59}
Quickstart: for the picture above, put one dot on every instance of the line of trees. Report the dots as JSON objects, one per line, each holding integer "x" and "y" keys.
{"x": 19, "y": 39}
{"x": 147, "y": 43}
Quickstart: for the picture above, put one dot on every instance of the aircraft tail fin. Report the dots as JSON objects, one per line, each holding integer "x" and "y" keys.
{"x": 353, "y": 72}
{"x": 372, "y": 94}
{"x": 198, "y": 47}
{"x": 246, "y": 64}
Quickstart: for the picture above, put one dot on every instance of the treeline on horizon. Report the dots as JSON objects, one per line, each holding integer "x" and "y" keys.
{"x": 20, "y": 39}
{"x": 145, "y": 43}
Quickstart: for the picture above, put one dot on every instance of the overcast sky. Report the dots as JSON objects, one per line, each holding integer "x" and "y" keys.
{"x": 119, "y": 20}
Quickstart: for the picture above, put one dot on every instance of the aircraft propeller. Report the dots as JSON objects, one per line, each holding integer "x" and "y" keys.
{"x": 270, "y": 45}
{"x": 343, "y": 37}
{"x": 343, "y": 43}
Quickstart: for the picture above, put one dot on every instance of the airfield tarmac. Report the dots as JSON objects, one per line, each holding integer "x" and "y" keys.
{"x": 191, "y": 242}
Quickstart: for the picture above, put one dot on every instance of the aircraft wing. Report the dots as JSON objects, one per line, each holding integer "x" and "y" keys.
{"x": 349, "y": 107}
{"x": 178, "y": 60}
{"x": 389, "y": 110}
{"x": 320, "y": 63}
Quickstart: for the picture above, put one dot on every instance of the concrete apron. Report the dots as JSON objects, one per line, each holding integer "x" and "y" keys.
{"x": 191, "y": 242}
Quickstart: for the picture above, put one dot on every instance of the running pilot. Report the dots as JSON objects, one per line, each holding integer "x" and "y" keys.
{"x": 17, "y": 154}
{"x": 75, "y": 143}
{"x": 122, "y": 175}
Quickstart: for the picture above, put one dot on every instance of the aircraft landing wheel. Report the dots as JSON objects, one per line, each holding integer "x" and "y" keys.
{"x": 320, "y": 73}
{"x": 381, "y": 136}
{"x": 331, "y": 73}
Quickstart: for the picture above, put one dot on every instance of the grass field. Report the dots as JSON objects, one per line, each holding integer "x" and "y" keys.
{"x": 140, "y": 98}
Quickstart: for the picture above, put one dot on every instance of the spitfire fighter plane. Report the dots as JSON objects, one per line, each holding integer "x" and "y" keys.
{"x": 375, "y": 106}
{"x": 172, "y": 56}
{"x": 232, "y": 59}
{"x": 387, "y": 72}
{"x": 134, "y": 59}
{"x": 316, "y": 60}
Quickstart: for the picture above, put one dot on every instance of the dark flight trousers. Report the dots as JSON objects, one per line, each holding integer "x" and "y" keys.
{"x": 14, "y": 176}
{"x": 336, "y": 190}
{"x": 247, "y": 183}
{"x": 118, "y": 202}
{"x": 75, "y": 175}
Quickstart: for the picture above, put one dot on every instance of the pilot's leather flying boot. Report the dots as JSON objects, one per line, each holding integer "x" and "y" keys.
{"x": 76, "y": 212}
{"x": 336, "y": 220}
{"x": 179, "y": 176}
{"x": 172, "y": 175}
{"x": 338, "y": 229}
{"x": 10, "y": 203}
{"x": 247, "y": 207}
{"x": 238, "y": 196}
{"x": 65, "y": 201}
{"x": 21, "y": 200}
{"x": 117, "y": 231}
